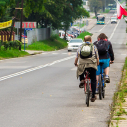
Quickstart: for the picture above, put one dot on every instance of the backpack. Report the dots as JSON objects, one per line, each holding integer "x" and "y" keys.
{"x": 102, "y": 47}
{"x": 86, "y": 50}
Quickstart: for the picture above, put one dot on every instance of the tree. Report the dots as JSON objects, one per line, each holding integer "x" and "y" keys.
{"x": 95, "y": 5}
{"x": 4, "y": 4}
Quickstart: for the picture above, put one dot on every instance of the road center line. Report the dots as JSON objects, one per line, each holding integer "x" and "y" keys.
{"x": 35, "y": 68}
{"x": 104, "y": 26}
{"x": 114, "y": 31}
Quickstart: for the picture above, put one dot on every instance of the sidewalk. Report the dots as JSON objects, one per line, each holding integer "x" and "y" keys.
{"x": 34, "y": 52}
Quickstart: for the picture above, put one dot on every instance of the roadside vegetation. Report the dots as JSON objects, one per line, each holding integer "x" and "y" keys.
{"x": 117, "y": 110}
{"x": 54, "y": 43}
{"x": 80, "y": 25}
{"x": 82, "y": 35}
{"x": 6, "y": 54}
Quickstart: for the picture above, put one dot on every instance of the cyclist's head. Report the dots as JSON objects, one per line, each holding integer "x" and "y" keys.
{"x": 102, "y": 36}
{"x": 87, "y": 38}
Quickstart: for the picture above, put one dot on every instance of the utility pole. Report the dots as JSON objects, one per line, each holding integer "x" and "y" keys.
{"x": 21, "y": 23}
{"x": 13, "y": 22}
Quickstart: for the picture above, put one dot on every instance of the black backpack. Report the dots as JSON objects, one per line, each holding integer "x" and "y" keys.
{"x": 102, "y": 47}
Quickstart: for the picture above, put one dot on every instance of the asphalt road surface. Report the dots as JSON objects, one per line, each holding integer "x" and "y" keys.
{"x": 42, "y": 90}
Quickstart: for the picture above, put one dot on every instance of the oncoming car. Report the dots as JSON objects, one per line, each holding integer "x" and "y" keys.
{"x": 113, "y": 19}
{"x": 73, "y": 44}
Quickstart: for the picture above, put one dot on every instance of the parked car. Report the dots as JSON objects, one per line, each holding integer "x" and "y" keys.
{"x": 62, "y": 33}
{"x": 70, "y": 34}
{"x": 73, "y": 44}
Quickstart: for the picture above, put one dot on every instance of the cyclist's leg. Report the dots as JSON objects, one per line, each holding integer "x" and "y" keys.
{"x": 81, "y": 77}
{"x": 98, "y": 71}
{"x": 106, "y": 69}
{"x": 93, "y": 81}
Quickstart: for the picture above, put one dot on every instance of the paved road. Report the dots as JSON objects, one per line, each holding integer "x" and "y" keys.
{"x": 42, "y": 90}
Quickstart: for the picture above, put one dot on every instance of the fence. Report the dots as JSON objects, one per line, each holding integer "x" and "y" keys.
{"x": 39, "y": 34}
{"x": 4, "y": 35}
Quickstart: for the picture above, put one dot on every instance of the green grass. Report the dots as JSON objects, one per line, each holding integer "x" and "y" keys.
{"x": 106, "y": 11}
{"x": 54, "y": 43}
{"x": 80, "y": 25}
{"x": 82, "y": 35}
{"x": 119, "y": 118}
{"x": 11, "y": 53}
{"x": 94, "y": 17}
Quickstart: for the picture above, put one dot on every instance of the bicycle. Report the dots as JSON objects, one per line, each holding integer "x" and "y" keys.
{"x": 87, "y": 86}
{"x": 101, "y": 83}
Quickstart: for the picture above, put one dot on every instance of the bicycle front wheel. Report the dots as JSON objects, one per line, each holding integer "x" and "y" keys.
{"x": 100, "y": 87}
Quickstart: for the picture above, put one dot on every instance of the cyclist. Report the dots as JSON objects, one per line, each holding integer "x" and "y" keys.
{"x": 90, "y": 62}
{"x": 106, "y": 55}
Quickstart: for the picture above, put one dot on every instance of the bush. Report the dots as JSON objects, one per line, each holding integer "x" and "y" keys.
{"x": 6, "y": 45}
{"x": 11, "y": 44}
{"x": 1, "y": 43}
{"x": 54, "y": 37}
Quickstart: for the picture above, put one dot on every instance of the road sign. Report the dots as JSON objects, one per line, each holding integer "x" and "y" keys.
{"x": 28, "y": 28}
{"x": 25, "y": 25}
{"x": 26, "y": 40}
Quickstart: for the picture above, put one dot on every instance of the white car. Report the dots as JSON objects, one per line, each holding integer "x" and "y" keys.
{"x": 113, "y": 19}
{"x": 73, "y": 44}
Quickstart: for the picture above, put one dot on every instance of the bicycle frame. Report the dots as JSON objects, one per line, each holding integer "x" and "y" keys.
{"x": 85, "y": 80}
{"x": 102, "y": 75}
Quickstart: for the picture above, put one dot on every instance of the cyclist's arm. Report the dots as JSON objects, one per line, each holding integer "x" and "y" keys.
{"x": 76, "y": 61}
{"x": 111, "y": 53}
{"x": 97, "y": 61}
{"x": 97, "y": 56}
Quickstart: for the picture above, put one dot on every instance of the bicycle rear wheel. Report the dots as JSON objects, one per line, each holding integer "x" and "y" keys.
{"x": 103, "y": 92}
{"x": 87, "y": 93}
{"x": 100, "y": 87}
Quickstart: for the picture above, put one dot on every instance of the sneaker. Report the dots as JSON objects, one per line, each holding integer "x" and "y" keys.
{"x": 81, "y": 85}
{"x": 96, "y": 91}
{"x": 107, "y": 79}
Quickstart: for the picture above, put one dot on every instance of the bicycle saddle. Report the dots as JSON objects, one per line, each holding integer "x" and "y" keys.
{"x": 101, "y": 63}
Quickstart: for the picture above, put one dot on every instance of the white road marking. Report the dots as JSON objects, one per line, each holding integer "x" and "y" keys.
{"x": 64, "y": 53}
{"x": 114, "y": 31}
{"x": 54, "y": 53}
{"x": 35, "y": 68}
{"x": 104, "y": 26}
{"x": 123, "y": 54}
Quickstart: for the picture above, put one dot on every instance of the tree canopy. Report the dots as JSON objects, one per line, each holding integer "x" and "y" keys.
{"x": 47, "y": 13}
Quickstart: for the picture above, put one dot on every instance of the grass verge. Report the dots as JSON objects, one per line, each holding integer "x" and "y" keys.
{"x": 82, "y": 35}
{"x": 11, "y": 53}
{"x": 119, "y": 98}
{"x": 54, "y": 43}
